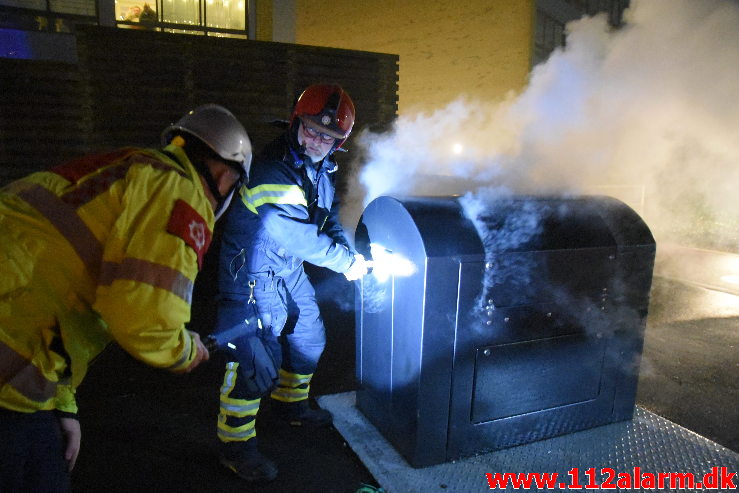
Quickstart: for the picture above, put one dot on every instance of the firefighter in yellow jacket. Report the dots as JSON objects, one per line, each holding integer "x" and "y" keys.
{"x": 104, "y": 248}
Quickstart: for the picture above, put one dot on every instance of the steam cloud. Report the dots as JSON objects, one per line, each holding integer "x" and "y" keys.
{"x": 647, "y": 113}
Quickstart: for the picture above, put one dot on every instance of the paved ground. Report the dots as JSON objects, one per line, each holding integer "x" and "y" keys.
{"x": 145, "y": 430}
{"x": 690, "y": 368}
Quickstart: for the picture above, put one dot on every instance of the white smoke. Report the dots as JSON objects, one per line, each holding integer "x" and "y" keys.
{"x": 648, "y": 113}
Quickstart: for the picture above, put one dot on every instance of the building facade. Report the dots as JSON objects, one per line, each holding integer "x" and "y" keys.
{"x": 479, "y": 49}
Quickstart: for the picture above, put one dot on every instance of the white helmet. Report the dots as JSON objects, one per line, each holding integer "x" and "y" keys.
{"x": 217, "y": 128}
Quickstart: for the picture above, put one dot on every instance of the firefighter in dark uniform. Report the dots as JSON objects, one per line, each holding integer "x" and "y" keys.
{"x": 287, "y": 215}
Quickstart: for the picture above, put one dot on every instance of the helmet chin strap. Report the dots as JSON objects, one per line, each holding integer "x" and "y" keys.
{"x": 222, "y": 201}
{"x": 223, "y": 206}
{"x": 204, "y": 170}
{"x": 212, "y": 185}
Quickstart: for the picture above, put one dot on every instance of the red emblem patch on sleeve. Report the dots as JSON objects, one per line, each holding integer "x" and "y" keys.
{"x": 186, "y": 223}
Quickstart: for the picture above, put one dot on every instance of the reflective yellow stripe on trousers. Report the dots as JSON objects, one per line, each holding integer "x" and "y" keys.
{"x": 292, "y": 387}
{"x": 236, "y": 417}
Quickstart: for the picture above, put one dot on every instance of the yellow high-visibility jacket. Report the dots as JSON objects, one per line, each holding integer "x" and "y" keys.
{"x": 103, "y": 248}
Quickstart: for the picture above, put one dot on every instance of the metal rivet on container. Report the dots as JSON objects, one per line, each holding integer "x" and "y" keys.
{"x": 506, "y": 319}
{"x": 486, "y": 352}
{"x": 605, "y": 289}
{"x": 489, "y": 322}
{"x": 490, "y": 301}
{"x": 489, "y": 265}
{"x": 549, "y": 314}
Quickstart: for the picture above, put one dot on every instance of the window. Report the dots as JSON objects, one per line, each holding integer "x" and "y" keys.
{"x": 226, "y": 14}
{"x": 212, "y": 17}
{"x": 553, "y": 15}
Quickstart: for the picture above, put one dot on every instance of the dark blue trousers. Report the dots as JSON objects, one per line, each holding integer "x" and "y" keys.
{"x": 289, "y": 311}
{"x": 295, "y": 335}
{"x": 32, "y": 453}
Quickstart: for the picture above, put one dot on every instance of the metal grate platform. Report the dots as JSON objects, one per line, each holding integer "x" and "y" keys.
{"x": 648, "y": 442}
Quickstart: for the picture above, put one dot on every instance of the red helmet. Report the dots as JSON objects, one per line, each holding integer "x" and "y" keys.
{"x": 329, "y": 108}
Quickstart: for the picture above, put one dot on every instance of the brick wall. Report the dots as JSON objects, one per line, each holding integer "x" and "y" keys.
{"x": 478, "y": 48}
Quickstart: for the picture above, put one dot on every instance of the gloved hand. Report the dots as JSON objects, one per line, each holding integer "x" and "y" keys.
{"x": 358, "y": 269}
{"x": 257, "y": 367}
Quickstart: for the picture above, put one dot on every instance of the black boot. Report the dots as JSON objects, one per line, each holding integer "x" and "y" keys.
{"x": 300, "y": 414}
{"x": 245, "y": 461}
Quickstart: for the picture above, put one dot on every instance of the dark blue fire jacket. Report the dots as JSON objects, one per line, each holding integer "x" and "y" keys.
{"x": 287, "y": 214}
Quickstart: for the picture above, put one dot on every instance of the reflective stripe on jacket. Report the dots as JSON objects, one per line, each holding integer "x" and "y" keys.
{"x": 102, "y": 248}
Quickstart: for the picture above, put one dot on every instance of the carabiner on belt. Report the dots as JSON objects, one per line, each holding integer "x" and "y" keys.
{"x": 251, "y": 299}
